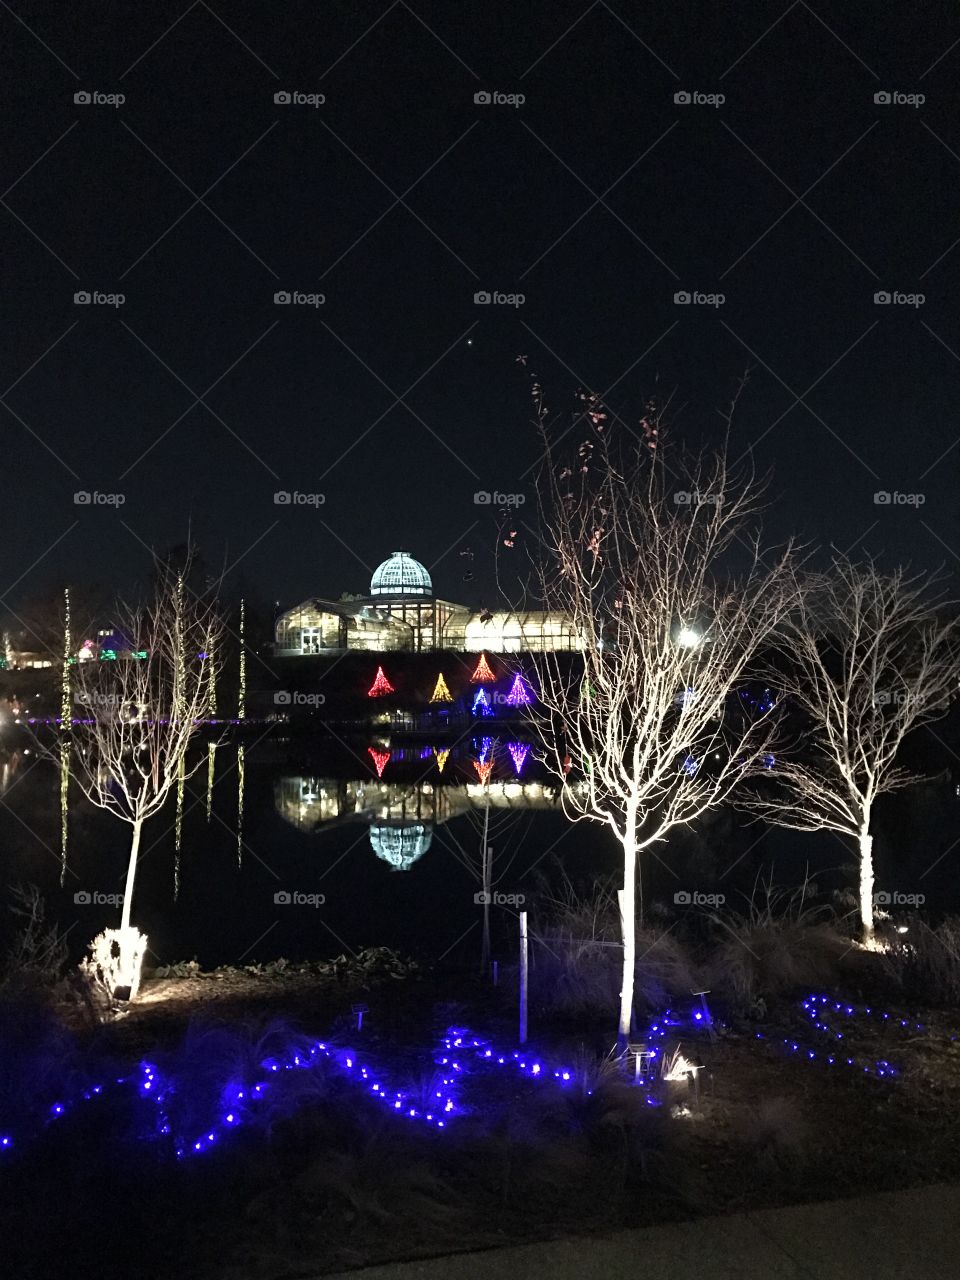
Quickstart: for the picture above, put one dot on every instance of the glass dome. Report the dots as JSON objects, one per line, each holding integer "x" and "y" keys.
{"x": 401, "y": 575}
{"x": 401, "y": 846}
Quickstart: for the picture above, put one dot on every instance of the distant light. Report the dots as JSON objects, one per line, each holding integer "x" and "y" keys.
{"x": 688, "y": 637}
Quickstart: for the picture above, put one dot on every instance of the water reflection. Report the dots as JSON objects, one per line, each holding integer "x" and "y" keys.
{"x": 402, "y": 816}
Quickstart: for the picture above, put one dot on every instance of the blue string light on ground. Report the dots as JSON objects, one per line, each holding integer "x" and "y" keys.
{"x": 818, "y": 1006}
{"x": 240, "y": 1102}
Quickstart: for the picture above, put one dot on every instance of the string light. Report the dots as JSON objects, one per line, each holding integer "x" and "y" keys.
{"x": 380, "y": 759}
{"x": 442, "y": 757}
{"x": 177, "y": 713}
{"x": 519, "y": 695}
{"x": 240, "y": 1101}
{"x": 241, "y": 715}
{"x": 211, "y": 659}
{"x": 482, "y": 673}
{"x": 380, "y": 686}
{"x": 481, "y": 703}
{"x": 483, "y": 771}
{"x": 242, "y": 691}
{"x": 441, "y": 693}
{"x": 241, "y": 781}
{"x": 65, "y": 723}
{"x": 817, "y": 1007}
{"x": 519, "y": 752}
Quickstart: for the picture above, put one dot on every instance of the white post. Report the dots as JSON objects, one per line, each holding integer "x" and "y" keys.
{"x": 523, "y": 977}
{"x": 487, "y": 876}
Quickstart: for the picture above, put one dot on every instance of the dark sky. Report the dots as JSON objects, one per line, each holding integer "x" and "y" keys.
{"x": 400, "y": 197}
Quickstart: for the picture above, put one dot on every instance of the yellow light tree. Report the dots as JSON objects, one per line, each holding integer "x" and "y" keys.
{"x": 441, "y": 693}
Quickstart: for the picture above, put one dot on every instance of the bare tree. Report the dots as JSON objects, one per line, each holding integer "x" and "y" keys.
{"x": 140, "y": 712}
{"x": 660, "y": 570}
{"x": 865, "y": 657}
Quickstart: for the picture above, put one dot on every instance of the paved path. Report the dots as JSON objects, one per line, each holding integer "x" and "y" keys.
{"x": 897, "y": 1235}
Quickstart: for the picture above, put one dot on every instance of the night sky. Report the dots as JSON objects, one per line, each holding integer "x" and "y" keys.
{"x": 598, "y": 198}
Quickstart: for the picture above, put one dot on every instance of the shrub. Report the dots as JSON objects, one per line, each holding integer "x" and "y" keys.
{"x": 35, "y": 959}
{"x": 578, "y": 965}
{"x": 780, "y": 943}
{"x": 925, "y": 963}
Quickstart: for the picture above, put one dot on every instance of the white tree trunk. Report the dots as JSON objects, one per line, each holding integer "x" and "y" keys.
{"x": 628, "y": 924}
{"x": 866, "y": 884}
{"x": 131, "y": 875}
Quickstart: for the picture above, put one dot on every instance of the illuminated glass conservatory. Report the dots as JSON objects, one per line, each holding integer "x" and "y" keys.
{"x": 402, "y": 613}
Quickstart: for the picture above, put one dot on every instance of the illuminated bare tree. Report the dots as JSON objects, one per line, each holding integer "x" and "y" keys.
{"x": 139, "y": 712}
{"x": 866, "y": 657}
{"x": 659, "y": 568}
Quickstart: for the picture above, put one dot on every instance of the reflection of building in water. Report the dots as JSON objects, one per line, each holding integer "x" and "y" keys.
{"x": 402, "y": 816}
{"x": 401, "y": 612}
{"x": 401, "y": 844}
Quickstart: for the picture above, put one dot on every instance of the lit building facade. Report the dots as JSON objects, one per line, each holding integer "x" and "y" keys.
{"x": 402, "y": 613}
